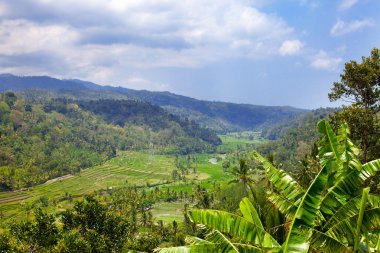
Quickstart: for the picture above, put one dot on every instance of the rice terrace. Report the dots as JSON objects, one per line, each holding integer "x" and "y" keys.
{"x": 128, "y": 168}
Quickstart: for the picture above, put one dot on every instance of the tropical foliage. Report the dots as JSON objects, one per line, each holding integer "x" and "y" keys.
{"x": 359, "y": 84}
{"x": 242, "y": 174}
{"x": 334, "y": 214}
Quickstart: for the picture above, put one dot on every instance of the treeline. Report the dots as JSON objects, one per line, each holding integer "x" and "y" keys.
{"x": 124, "y": 112}
{"x": 292, "y": 142}
{"x": 306, "y": 120}
{"x": 40, "y": 141}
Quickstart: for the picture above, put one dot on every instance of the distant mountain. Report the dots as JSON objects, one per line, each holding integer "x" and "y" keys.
{"x": 12, "y": 82}
{"x": 219, "y": 116}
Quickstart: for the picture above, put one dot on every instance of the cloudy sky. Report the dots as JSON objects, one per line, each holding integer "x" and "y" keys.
{"x": 268, "y": 52}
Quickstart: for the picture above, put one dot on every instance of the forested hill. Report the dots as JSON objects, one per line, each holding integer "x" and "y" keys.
{"x": 219, "y": 116}
{"x": 44, "y": 140}
{"x": 127, "y": 112}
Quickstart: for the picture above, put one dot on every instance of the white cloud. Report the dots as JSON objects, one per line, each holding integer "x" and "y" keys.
{"x": 237, "y": 44}
{"x": 290, "y": 47}
{"x": 347, "y": 4}
{"x": 325, "y": 62}
{"x": 22, "y": 36}
{"x": 342, "y": 28}
{"x": 3, "y": 9}
{"x": 97, "y": 40}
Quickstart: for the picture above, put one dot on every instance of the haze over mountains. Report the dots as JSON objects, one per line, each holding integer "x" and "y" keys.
{"x": 219, "y": 116}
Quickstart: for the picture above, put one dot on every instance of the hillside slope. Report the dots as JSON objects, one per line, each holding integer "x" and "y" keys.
{"x": 219, "y": 116}
{"x": 40, "y": 141}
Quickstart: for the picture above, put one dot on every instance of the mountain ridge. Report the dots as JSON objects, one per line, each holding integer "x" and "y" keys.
{"x": 217, "y": 115}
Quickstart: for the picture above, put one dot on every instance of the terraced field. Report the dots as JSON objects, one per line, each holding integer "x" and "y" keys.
{"x": 168, "y": 212}
{"x": 133, "y": 168}
{"x": 128, "y": 167}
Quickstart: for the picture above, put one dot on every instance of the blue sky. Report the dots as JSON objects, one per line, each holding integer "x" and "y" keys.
{"x": 267, "y": 52}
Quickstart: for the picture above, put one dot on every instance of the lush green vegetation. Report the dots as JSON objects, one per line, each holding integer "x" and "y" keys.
{"x": 332, "y": 214}
{"x": 173, "y": 129}
{"x": 127, "y": 168}
{"x": 294, "y": 142}
{"x": 40, "y": 141}
{"x": 136, "y": 178}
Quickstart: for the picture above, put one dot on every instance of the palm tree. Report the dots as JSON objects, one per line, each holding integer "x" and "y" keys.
{"x": 333, "y": 214}
{"x": 243, "y": 175}
{"x": 254, "y": 181}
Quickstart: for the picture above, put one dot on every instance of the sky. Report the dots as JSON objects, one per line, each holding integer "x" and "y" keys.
{"x": 264, "y": 52}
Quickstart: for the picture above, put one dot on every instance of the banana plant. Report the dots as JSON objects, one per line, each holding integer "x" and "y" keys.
{"x": 333, "y": 214}
{"x": 225, "y": 228}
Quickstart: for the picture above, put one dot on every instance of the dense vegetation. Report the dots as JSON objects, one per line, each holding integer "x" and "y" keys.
{"x": 37, "y": 145}
{"x": 332, "y": 214}
{"x": 40, "y": 141}
{"x": 126, "y": 112}
{"x": 314, "y": 189}
{"x": 294, "y": 142}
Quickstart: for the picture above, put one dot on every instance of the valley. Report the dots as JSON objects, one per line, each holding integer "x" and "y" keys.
{"x": 89, "y": 168}
{"x": 128, "y": 168}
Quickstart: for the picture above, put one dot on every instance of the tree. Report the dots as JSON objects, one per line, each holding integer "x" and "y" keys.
{"x": 364, "y": 127}
{"x": 42, "y": 233}
{"x": 226, "y": 164}
{"x": 360, "y": 85}
{"x": 242, "y": 175}
{"x": 360, "y": 82}
{"x": 333, "y": 214}
{"x": 98, "y": 228}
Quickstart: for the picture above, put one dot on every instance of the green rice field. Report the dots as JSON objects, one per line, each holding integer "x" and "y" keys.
{"x": 127, "y": 168}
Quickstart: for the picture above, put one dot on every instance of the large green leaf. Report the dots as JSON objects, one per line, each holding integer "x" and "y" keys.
{"x": 235, "y": 226}
{"x": 249, "y": 213}
{"x": 348, "y": 187}
{"x": 225, "y": 245}
{"x": 329, "y": 144}
{"x": 282, "y": 181}
{"x": 195, "y": 240}
{"x": 246, "y": 248}
{"x": 201, "y": 248}
{"x": 360, "y": 219}
{"x": 322, "y": 242}
{"x": 300, "y": 229}
{"x": 212, "y": 248}
{"x": 284, "y": 205}
{"x": 350, "y": 208}
{"x": 346, "y": 173}
{"x": 345, "y": 228}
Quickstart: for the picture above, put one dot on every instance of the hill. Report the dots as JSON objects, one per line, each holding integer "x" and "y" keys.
{"x": 44, "y": 140}
{"x": 219, "y": 116}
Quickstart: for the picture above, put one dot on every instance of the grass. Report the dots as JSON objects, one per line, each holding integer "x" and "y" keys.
{"x": 238, "y": 140}
{"x": 168, "y": 212}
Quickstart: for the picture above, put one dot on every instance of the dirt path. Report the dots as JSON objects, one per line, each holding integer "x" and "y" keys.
{"x": 58, "y": 179}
